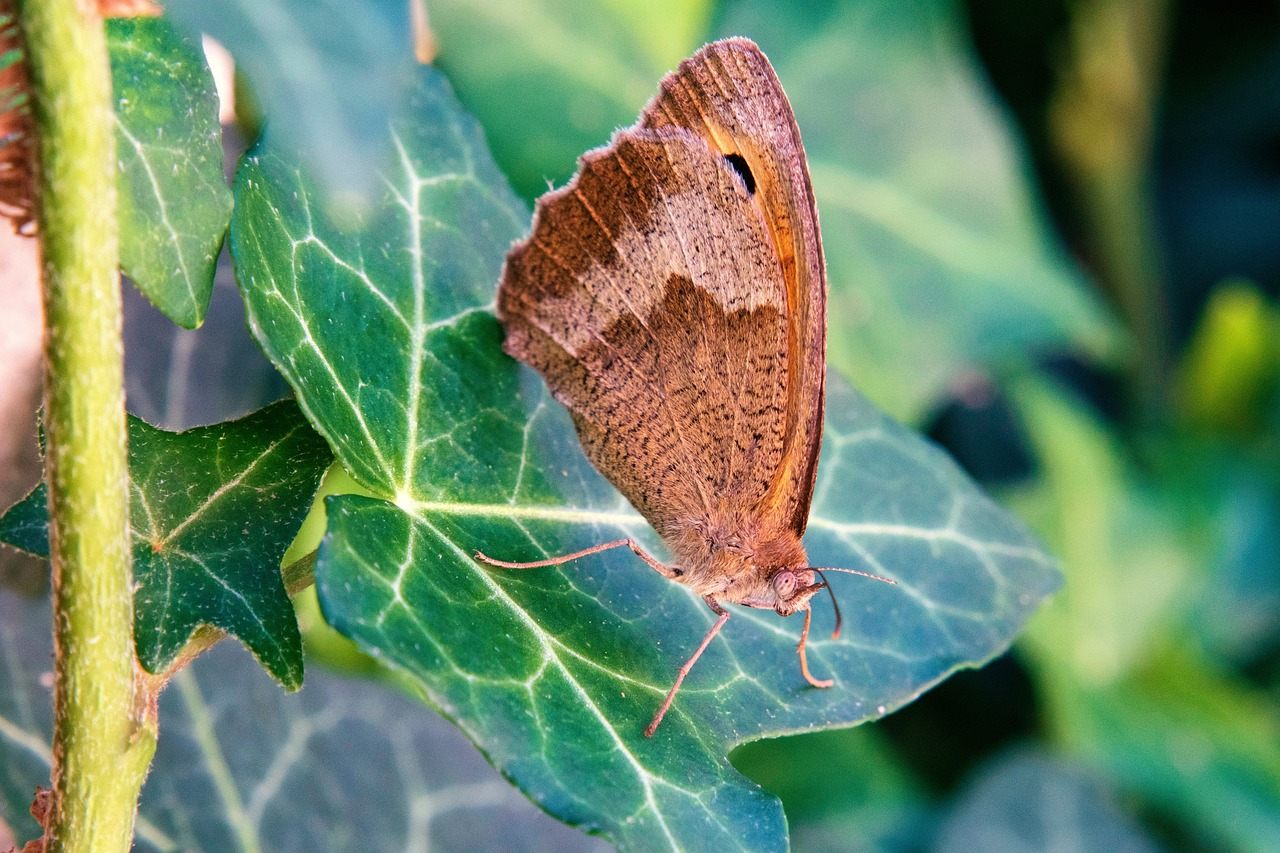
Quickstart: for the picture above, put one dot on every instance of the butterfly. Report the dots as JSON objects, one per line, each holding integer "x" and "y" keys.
{"x": 673, "y": 297}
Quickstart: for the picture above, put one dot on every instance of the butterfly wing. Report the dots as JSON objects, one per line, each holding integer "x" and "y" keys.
{"x": 658, "y": 299}
{"x": 728, "y": 93}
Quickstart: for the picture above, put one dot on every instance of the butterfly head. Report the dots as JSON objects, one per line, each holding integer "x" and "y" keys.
{"x": 791, "y": 589}
{"x": 776, "y": 576}
{"x": 791, "y": 581}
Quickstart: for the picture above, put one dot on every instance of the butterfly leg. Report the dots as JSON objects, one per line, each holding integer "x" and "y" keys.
{"x": 688, "y": 665}
{"x": 804, "y": 660}
{"x": 653, "y": 563}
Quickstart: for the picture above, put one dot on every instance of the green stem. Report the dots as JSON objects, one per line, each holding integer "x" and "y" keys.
{"x": 103, "y": 739}
{"x": 1103, "y": 117}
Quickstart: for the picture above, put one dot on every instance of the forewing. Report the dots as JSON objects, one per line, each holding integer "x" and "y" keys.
{"x": 729, "y": 95}
{"x": 649, "y": 297}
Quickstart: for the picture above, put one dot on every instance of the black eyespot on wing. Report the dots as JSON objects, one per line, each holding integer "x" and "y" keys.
{"x": 739, "y": 164}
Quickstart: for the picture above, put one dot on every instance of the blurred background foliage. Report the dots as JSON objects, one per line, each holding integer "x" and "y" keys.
{"x": 1051, "y": 227}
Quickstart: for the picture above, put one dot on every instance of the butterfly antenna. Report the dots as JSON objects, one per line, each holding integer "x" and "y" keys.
{"x": 835, "y": 605}
{"x": 853, "y": 572}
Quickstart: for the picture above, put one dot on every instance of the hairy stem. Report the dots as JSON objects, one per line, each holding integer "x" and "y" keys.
{"x": 103, "y": 739}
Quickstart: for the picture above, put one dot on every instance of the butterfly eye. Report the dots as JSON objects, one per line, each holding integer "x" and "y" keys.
{"x": 784, "y": 584}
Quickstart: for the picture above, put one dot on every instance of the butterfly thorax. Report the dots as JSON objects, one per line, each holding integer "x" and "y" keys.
{"x": 739, "y": 564}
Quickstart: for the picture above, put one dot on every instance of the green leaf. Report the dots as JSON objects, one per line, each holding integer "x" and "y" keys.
{"x": 26, "y": 708}
{"x": 326, "y": 74}
{"x": 549, "y": 79}
{"x": 843, "y": 790}
{"x": 343, "y": 765}
{"x": 386, "y": 336}
{"x": 25, "y": 525}
{"x": 385, "y": 330}
{"x": 212, "y": 511}
{"x": 174, "y": 200}
{"x": 1190, "y": 740}
{"x": 1239, "y": 610}
{"x": 527, "y": 661}
{"x": 1024, "y": 802}
{"x": 1232, "y": 364}
{"x": 179, "y": 378}
{"x": 939, "y": 259}
{"x": 1129, "y": 555}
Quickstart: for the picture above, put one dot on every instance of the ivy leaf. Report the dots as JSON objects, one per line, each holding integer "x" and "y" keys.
{"x": 385, "y": 333}
{"x": 212, "y": 510}
{"x": 240, "y": 761}
{"x": 385, "y": 329}
{"x": 526, "y": 661}
{"x": 1026, "y": 801}
{"x": 179, "y": 378}
{"x": 25, "y": 525}
{"x": 327, "y": 76}
{"x": 174, "y": 200}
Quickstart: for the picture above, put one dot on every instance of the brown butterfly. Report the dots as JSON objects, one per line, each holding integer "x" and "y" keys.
{"x": 673, "y": 296}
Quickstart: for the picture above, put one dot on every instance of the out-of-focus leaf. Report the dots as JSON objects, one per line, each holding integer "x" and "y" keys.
{"x": 386, "y": 335}
{"x": 1099, "y": 121}
{"x": 26, "y": 707}
{"x": 1127, "y": 554}
{"x": 179, "y": 378}
{"x": 1026, "y": 802}
{"x": 939, "y": 259}
{"x": 343, "y": 766}
{"x": 327, "y": 75}
{"x": 1195, "y": 743}
{"x": 174, "y": 201}
{"x": 843, "y": 791}
{"x": 1233, "y": 360}
{"x": 549, "y": 79}
{"x": 1239, "y": 612}
{"x": 212, "y": 511}
{"x": 1120, "y": 690}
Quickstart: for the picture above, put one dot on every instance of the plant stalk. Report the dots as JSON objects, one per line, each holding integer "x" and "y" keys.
{"x": 1103, "y": 120}
{"x": 103, "y": 738}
